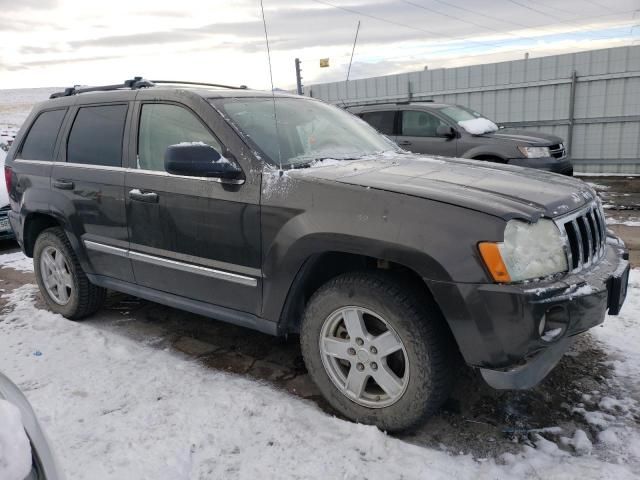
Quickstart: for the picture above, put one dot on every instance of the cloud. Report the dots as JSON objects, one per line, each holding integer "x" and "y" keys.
{"x": 27, "y": 4}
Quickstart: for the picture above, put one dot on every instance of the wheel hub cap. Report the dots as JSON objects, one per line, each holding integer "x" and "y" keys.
{"x": 364, "y": 357}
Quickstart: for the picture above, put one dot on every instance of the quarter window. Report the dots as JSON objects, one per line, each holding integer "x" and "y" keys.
{"x": 162, "y": 125}
{"x": 419, "y": 124}
{"x": 42, "y": 136}
{"x": 381, "y": 121}
{"x": 96, "y": 136}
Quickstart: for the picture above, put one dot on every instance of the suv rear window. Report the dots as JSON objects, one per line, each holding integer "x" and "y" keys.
{"x": 42, "y": 135}
{"x": 96, "y": 136}
{"x": 381, "y": 121}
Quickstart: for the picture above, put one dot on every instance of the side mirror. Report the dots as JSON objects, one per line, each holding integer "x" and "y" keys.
{"x": 198, "y": 159}
{"x": 445, "y": 131}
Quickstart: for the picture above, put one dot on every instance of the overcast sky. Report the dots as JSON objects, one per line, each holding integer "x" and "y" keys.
{"x": 66, "y": 42}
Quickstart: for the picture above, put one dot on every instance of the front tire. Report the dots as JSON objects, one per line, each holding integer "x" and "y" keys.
{"x": 377, "y": 353}
{"x": 63, "y": 284}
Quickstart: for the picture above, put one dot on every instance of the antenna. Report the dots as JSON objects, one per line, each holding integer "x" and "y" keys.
{"x": 353, "y": 50}
{"x": 273, "y": 95}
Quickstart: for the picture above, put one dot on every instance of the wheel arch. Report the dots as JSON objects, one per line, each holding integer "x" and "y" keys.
{"x": 34, "y": 224}
{"x": 319, "y": 268}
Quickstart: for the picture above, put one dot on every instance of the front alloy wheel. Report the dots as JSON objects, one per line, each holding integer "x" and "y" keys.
{"x": 378, "y": 349}
{"x": 364, "y": 357}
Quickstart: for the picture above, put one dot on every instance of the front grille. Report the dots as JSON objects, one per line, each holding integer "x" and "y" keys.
{"x": 585, "y": 234}
{"x": 558, "y": 150}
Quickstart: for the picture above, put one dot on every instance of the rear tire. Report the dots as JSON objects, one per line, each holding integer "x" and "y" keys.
{"x": 399, "y": 390}
{"x": 63, "y": 284}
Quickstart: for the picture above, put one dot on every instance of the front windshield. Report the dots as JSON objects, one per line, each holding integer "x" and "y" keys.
{"x": 308, "y": 130}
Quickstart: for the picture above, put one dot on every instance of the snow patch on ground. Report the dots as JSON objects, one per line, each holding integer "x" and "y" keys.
{"x": 15, "y": 449}
{"x": 17, "y": 261}
{"x": 478, "y": 126}
{"x": 629, "y": 223}
{"x": 115, "y": 408}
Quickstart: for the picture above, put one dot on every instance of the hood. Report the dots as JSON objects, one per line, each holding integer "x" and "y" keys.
{"x": 524, "y": 137}
{"x": 501, "y": 190}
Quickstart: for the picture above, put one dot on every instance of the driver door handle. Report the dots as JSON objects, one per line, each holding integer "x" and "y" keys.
{"x": 140, "y": 196}
{"x": 404, "y": 142}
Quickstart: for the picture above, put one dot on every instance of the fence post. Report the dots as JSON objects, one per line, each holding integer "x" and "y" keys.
{"x": 572, "y": 106}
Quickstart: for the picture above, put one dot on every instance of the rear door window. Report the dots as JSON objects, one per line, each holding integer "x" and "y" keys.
{"x": 42, "y": 136}
{"x": 381, "y": 121}
{"x": 96, "y": 136}
{"x": 419, "y": 124}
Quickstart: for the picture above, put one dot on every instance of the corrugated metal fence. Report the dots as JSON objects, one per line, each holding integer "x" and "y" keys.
{"x": 590, "y": 99}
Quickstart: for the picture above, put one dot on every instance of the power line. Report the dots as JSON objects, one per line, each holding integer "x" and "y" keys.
{"x": 444, "y": 14}
{"x": 439, "y": 36}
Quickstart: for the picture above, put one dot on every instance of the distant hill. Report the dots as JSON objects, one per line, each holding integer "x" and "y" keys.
{"x": 15, "y": 104}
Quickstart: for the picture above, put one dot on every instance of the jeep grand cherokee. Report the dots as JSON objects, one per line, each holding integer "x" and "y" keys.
{"x": 389, "y": 265}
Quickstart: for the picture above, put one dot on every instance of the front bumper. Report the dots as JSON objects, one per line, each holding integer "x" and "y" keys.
{"x": 506, "y": 330}
{"x": 549, "y": 164}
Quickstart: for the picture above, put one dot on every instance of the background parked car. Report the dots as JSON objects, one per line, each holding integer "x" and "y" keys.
{"x": 43, "y": 463}
{"x": 457, "y": 131}
{"x": 6, "y": 139}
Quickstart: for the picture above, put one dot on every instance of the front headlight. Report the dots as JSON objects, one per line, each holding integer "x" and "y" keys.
{"x": 535, "y": 152}
{"x": 529, "y": 250}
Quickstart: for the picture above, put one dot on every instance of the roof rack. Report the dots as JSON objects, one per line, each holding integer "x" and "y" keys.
{"x": 134, "y": 84}
{"x": 407, "y": 102}
{"x": 180, "y": 82}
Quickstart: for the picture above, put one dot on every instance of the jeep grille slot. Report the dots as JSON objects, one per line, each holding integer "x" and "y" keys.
{"x": 585, "y": 236}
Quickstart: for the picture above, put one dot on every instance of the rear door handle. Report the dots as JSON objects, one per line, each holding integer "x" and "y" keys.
{"x": 404, "y": 142}
{"x": 140, "y": 196}
{"x": 63, "y": 184}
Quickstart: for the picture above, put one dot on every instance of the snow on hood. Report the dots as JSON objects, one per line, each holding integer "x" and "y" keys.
{"x": 15, "y": 449}
{"x": 478, "y": 126}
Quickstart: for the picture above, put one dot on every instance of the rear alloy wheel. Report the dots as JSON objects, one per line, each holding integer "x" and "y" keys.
{"x": 56, "y": 275}
{"x": 63, "y": 284}
{"x": 377, "y": 350}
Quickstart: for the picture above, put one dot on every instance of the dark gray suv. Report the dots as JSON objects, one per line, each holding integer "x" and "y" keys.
{"x": 391, "y": 266}
{"x": 456, "y": 131}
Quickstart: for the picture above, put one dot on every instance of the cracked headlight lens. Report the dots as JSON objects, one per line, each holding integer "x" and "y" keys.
{"x": 529, "y": 250}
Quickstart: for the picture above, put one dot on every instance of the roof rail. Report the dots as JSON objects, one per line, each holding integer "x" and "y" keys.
{"x": 180, "y": 82}
{"x": 133, "y": 84}
{"x": 407, "y": 102}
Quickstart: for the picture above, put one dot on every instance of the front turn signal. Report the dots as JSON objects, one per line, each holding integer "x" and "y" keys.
{"x": 490, "y": 254}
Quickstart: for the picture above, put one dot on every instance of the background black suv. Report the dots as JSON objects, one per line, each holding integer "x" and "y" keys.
{"x": 457, "y": 131}
{"x": 389, "y": 265}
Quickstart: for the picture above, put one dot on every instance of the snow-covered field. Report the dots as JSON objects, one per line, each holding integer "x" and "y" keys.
{"x": 119, "y": 409}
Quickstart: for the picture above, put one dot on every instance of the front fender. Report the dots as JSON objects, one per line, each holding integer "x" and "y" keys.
{"x": 282, "y": 271}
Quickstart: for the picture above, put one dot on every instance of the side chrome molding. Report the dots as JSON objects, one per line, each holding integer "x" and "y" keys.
{"x": 173, "y": 264}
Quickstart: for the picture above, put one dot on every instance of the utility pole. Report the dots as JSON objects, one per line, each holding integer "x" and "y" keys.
{"x": 298, "y": 76}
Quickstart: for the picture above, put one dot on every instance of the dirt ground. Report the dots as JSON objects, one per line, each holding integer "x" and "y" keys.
{"x": 476, "y": 419}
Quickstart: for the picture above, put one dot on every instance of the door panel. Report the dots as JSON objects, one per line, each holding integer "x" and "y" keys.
{"x": 200, "y": 239}
{"x": 90, "y": 190}
{"x": 418, "y": 134}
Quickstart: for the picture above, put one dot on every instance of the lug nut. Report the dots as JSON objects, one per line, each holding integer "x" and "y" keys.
{"x": 360, "y": 366}
{"x": 374, "y": 366}
{"x": 373, "y": 350}
{"x": 351, "y": 351}
{"x": 359, "y": 341}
